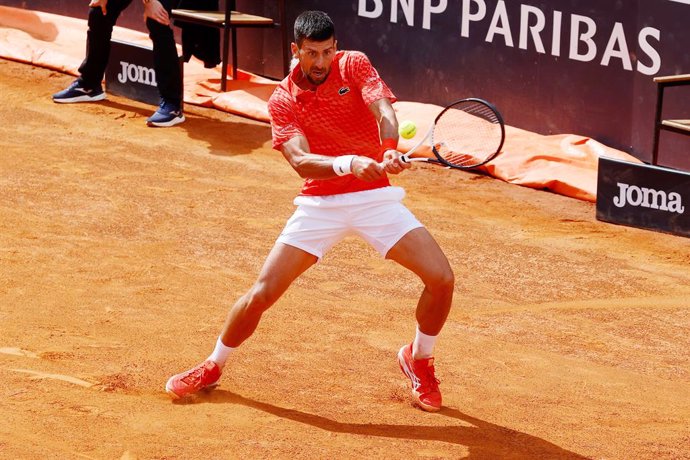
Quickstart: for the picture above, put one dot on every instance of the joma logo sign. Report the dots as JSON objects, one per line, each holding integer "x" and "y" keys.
{"x": 648, "y": 198}
{"x": 136, "y": 73}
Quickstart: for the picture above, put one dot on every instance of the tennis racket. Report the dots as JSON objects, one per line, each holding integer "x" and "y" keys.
{"x": 466, "y": 134}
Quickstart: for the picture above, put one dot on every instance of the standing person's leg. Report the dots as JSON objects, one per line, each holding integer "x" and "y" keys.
{"x": 98, "y": 37}
{"x": 168, "y": 71}
{"x": 282, "y": 266}
{"x": 419, "y": 252}
{"x": 87, "y": 88}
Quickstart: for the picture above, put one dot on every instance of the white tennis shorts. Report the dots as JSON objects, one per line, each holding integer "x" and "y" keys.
{"x": 378, "y": 216}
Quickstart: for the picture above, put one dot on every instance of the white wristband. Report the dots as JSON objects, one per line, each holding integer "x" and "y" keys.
{"x": 342, "y": 165}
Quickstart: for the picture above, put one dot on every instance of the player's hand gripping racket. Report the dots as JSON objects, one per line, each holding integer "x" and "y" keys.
{"x": 466, "y": 134}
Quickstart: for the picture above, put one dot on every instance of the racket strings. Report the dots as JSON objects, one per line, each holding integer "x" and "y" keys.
{"x": 467, "y": 133}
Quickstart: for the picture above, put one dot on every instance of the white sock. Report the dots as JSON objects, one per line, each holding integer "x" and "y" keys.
{"x": 423, "y": 345}
{"x": 220, "y": 353}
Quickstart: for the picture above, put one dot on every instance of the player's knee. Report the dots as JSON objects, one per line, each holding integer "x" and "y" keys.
{"x": 260, "y": 298}
{"x": 442, "y": 283}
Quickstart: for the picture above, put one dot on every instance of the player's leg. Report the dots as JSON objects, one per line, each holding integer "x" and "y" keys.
{"x": 282, "y": 266}
{"x": 87, "y": 88}
{"x": 307, "y": 235}
{"x": 396, "y": 233}
{"x": 419, "y": 252}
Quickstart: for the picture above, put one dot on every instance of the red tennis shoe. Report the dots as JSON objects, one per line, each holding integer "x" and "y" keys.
{"x": 424, "y": 383}
{"x": 204, "y": 375}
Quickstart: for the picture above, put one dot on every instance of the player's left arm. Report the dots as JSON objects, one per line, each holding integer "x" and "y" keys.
{"x": 385, "y": 116}
{"x": 388, "y": 128}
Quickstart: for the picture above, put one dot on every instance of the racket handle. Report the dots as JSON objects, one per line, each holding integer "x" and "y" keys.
{"x": 406, "y": 159}
{"x": 403, "y": 158}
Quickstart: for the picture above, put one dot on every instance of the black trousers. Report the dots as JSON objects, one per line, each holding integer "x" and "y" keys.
{"x": 165, "y": 59}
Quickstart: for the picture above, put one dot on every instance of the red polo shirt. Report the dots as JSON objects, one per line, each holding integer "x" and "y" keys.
{"x": 335, "y": 118}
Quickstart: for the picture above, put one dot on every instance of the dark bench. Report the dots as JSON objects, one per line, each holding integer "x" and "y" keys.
{"x": 676, "y": 126}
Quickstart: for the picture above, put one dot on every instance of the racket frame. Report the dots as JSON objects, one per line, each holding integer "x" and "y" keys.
{"x": 438, "y": 158}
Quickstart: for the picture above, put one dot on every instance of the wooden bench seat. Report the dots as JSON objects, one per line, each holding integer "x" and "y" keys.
{"x": 218, "y": 18}
{"x": 683, "y": 125}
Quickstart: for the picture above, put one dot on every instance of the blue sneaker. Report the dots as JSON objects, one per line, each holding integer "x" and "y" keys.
{"x": 168, "y": 114}
{"x": 76, "y": 92}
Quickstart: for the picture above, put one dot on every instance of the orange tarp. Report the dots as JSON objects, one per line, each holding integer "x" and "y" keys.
{"x": 565, "y": 164}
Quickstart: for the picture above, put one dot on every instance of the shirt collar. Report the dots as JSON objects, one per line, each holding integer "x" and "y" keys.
{"x": 298, "y": 93}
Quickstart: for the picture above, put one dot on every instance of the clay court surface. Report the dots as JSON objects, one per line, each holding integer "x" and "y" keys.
{"x": 122, "y": 247}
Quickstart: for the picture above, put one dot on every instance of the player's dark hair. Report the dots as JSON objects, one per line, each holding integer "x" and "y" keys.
{"x": 313, "y": 25}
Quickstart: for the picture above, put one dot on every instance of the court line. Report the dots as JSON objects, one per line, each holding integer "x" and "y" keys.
{"x": 65, "y": 378}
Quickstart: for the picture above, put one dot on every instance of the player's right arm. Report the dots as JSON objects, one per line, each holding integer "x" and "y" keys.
{"x": 315, "y": 166}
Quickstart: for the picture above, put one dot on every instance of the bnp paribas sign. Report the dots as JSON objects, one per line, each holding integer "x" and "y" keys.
{"x": 564, "y": 34}
{"x": 644, "y": 196}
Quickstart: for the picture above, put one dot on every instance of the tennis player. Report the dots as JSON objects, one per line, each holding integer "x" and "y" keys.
{"x": 333, "y": 120}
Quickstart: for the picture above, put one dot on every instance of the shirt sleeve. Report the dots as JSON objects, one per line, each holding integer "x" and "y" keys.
{"x": 367, "y": 79}
{"x": 284, "y": 124}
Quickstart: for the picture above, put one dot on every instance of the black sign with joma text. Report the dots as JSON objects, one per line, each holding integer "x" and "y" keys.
{"x": 130, "y": 72}
{"x": 644, "y": 196}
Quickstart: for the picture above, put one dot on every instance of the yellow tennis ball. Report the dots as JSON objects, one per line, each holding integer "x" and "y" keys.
{"x": 407, "y": 129}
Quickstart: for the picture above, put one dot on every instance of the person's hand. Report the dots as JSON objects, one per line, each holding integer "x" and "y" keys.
{"x": 156, "y": 11}
{"x": 392, "y": 163}
{"x": 367, "y": 169}
{"x": 102, "y": 4}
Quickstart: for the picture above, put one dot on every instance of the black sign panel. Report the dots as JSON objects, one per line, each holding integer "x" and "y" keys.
{"x": 644, "y": 196}
{"x": 130, "y": 72}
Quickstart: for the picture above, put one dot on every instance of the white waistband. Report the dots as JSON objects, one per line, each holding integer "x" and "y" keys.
{"x": 389, "y": 193}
